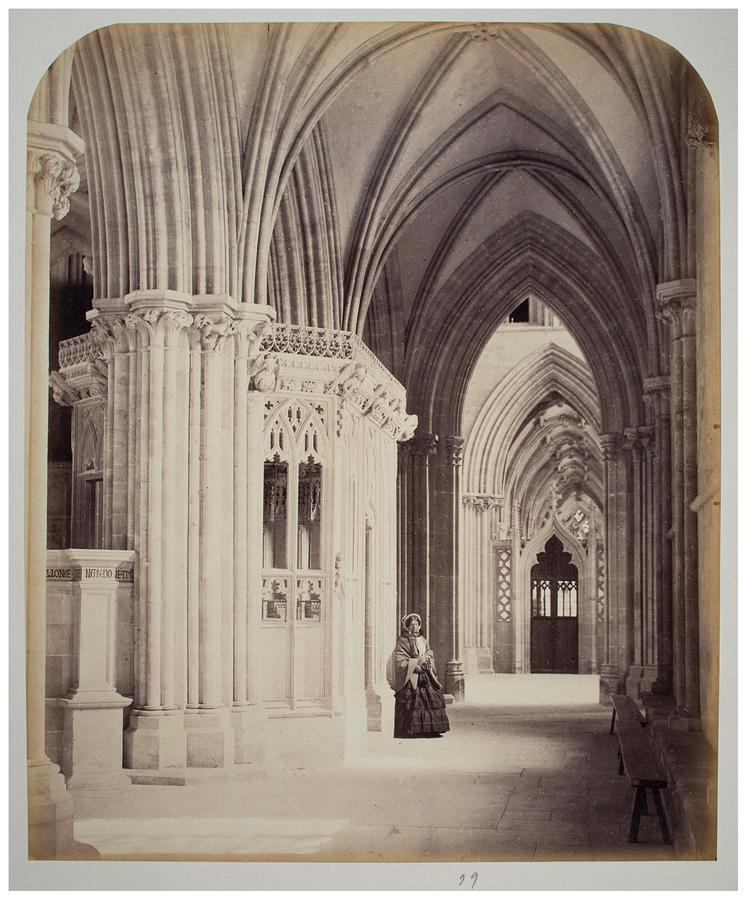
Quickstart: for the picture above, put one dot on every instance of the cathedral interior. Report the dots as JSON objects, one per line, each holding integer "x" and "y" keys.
{"x": 335, "y": 322}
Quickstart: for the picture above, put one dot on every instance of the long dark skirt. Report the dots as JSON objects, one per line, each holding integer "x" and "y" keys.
{"x": 419, "y": 712}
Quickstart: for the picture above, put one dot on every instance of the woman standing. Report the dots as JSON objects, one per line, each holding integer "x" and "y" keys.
{"x": 419, "y": 705}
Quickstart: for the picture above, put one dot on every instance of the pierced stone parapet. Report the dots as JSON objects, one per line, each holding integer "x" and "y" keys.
{"x": 77, "y": 351}
{"x": 305, "y": 340}
{"x": 291, "y": 359}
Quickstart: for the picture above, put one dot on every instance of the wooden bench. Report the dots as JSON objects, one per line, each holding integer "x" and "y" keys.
{"x": 638, "y": 762}
{"x": 625, "y": 707}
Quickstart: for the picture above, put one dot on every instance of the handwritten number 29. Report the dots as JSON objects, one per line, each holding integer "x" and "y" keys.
{"x": 473, "y": 879}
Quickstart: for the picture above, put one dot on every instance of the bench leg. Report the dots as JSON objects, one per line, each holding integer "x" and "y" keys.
{"x": 639, "y": 799}
{"x": 612, "y": 726}
{"x": 662, "y": 816}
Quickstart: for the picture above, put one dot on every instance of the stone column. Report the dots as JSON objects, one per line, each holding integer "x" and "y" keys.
{"x": 616, "y": 535}
{"x": 469, "y": 550}
{"x": 656, "y": 395}
{"x": 521, "y": 616}
{"x": 593, "y": 592}
{"x": 249, "y": 716}
{"x": 405, "y": 526}
{"x": 155, "y": 738}
{"x": 641, "y": 675}
{"x": 92, "y": 724}
{"x": 425, "y": 448}
{"x": 115, "y": 343}
{"x": 52, "y": 176}
{"x": 208, "y": 725}
{"x": 677, "y": 306}
{"x": 477, "y": 562}
{"x": 454, "y": 681}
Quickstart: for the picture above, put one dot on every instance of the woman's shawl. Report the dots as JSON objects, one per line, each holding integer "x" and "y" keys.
{"x": 405, "y": 658}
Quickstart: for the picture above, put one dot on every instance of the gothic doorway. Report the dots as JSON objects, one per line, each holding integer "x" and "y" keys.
{"x": 554, "y": 635}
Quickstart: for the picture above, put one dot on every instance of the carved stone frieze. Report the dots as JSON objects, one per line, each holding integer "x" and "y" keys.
{"x": 347, "y": 380}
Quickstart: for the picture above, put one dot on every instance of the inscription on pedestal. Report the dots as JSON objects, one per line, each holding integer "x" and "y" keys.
{"x": 90, "y": 573}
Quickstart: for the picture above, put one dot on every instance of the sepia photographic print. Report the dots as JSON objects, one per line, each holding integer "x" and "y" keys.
{"x": 372, "y": 450}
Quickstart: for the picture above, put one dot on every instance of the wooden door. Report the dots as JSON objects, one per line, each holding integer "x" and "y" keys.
{"x": 554, "y": 635}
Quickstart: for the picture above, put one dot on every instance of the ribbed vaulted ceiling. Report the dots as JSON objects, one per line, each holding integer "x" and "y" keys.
{"x": 405, "y": 181}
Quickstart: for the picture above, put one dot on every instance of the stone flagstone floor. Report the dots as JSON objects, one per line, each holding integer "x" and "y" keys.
{"x": 507, "y": 783}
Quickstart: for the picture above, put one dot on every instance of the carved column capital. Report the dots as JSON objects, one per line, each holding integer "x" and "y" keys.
{"x": 407, "y": 427}
{"x": 211, "y": 331}
{"x": 158, "y": 327}
{"x": 638, "y": 437}
{"x": 611, "y": 444}
{"x": 54, "y": 176}
{"x": 454, "y": 449}
{"x": 482, "y": 502}
{"x": 425, "y": 446}
{"x": 109, "y": 334}
{"x": 251, "y": 329}
{"x": 656, "y": 394}
{"x": 676, "y": 305}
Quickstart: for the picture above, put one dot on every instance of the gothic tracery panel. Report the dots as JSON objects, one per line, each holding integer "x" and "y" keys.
{"x": 503, "y": 586}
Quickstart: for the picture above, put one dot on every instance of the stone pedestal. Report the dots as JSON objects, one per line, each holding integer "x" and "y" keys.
{"x": 155, "y": 740}
{"x": 210, "y": 738}
{"x": 92, "y": 741}
{"x": 92, "y": 726}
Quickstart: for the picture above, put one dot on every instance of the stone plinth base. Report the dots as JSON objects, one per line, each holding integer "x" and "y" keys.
{"x": 50, "y": 811}
{"x": 477, "y": 660}
{"x": 380, "y": 709}
{"x": 92, "y": 739}
{"x": 640, "y": 680}
{"x": 210, "y": 738}
{"x": 155, "y": 740}
{"x": 682, "y": 720}
{"x": 250, "y": 734}
{"x": 609, "y": 683}
{"x": 454, "y": 680}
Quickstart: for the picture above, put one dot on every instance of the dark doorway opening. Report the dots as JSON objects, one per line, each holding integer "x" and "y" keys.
{"x": 554, "y": 635}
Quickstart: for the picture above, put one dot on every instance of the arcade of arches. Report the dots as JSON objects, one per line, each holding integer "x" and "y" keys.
{"x": 349, "y": 320}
